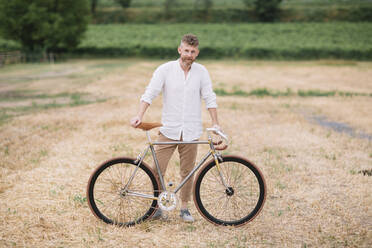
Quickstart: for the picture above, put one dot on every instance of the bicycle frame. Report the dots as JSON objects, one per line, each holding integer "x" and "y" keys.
{"x": 228, "y": 190}
{"x": 212, "y": 152}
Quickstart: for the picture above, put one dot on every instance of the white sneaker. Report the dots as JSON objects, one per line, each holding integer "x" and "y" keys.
{"x": 186, "y": 216}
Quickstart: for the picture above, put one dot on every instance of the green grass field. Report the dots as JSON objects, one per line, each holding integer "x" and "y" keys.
{"x": 276, "y": 41}
{"x": 263, "y": 41}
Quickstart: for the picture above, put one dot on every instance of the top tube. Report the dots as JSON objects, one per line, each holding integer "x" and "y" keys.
{"x": 148, "y": 126}
{"x": 180, "y": 142}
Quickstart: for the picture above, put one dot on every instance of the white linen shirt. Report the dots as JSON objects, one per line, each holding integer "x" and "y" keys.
{"x": 181, "y": 98}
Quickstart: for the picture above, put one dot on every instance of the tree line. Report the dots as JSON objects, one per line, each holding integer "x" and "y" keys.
{"x": 266, "y": 10}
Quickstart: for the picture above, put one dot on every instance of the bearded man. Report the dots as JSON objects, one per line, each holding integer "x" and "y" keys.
{"x": 183, "y": 84}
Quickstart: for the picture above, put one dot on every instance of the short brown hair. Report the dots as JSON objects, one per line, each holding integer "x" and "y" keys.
{"x": 190, "y": 39}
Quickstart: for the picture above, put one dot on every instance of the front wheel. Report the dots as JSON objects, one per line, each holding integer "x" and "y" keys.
{"x": 235, "y": 204}
{"x": 115, "y": 201}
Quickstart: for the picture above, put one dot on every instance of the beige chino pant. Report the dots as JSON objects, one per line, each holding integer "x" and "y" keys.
{"x": 187, "y": 154}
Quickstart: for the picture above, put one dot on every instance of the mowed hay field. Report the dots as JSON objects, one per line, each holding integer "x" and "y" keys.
{"x": 58, "y": 122}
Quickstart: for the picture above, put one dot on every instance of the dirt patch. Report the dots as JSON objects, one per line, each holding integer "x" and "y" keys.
{"x": 339, "y": 127}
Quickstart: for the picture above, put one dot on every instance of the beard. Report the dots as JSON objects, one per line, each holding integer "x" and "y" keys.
{"x": 187, "y": 60}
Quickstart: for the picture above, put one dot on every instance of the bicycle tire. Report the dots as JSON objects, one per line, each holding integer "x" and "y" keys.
{"x": 234, "y": 207}
{"x": 105, "y": 195}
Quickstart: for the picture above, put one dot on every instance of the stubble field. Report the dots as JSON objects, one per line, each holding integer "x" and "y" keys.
{"x": 58, "y": 122}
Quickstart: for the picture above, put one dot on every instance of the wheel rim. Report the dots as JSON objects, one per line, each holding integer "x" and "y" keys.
{"x": 233, "y": 205}
{"x": 110, "y": 201}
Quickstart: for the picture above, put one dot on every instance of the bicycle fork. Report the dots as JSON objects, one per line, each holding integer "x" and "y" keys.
{"x": 217, "y": 157}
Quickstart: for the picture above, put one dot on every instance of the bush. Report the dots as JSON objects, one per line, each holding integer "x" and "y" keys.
{"x": 266, "y": 10}
{"x": 230, "y": 15}
{"x": 173, "y": 16}
{"x": 44, "y": 25}
{"x": 124, "y": 3}
{"x": 169, "y": 6}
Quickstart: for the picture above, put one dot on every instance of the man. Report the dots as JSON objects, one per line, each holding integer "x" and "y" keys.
{"x": 183, "y": 84}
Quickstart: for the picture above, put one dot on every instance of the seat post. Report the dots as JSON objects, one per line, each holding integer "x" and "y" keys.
{"x": 148, "y": 137}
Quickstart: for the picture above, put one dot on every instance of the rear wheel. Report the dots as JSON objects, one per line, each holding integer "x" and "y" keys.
{"x": 239, "y": 202}
{"x": 112, "y": 202}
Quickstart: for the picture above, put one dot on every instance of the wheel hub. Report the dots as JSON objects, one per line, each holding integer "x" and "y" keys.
{"x": 229, "y": 191}
{"x": 123, "y": 192}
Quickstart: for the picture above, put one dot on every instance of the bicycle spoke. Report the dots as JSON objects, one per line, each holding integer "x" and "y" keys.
{"x": 226, "y": 173}
{"x": 111, "y": 201}
{"x": 114, "y": 184}
{"x": 230, "y": 206}
{"x": 223, "y": 208}
{"x": 216, "y": 175}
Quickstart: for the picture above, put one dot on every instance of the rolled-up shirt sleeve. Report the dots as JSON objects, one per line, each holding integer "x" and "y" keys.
{"x": 207, "y": 91}
{"x": 155, "y": 86}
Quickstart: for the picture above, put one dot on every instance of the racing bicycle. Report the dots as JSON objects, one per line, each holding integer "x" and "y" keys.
{"x": 228, "y": 190}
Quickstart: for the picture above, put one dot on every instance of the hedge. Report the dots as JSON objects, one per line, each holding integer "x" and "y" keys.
{"x": 230, "y": 15}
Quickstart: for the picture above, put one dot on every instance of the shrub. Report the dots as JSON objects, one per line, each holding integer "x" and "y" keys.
{"x": 93, "y": 6}
{"x": 265, "y": 10}
{"x": 44, "y": 25}
{"x": 124, "y": 3}
{"x": 175, "y": 14}
{"x": 168, "y": 7}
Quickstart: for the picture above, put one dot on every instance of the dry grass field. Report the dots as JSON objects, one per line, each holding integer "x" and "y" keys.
{"x": 58, "y": 122}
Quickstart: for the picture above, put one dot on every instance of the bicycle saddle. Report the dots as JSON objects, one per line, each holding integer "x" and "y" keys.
{"x": 145, "y": 126}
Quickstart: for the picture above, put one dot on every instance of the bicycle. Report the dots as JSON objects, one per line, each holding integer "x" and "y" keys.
{"x": 228, "y": 190}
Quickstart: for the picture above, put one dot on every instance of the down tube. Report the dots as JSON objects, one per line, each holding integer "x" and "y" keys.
{"x": 193, "y": 171}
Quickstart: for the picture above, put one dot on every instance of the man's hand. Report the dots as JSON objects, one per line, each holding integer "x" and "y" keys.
{"x": 135, "y": 121}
